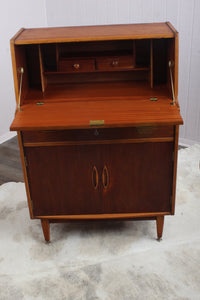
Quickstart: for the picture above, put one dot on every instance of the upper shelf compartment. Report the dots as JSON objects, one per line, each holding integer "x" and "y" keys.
{"x": 64, "y": 59}
{"x": 88, "y": 57}
{"x": 63, "y": 64}
{"x": 57, "y": 61}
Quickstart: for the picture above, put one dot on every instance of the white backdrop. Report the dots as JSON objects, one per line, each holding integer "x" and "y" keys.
{"x": 14, "y": 14}
{"x": 183, "y": 14}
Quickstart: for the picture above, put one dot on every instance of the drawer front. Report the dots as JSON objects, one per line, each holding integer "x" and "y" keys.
{"x": 98, "y": 134}
{"x": 112, "y": 63}
{"x": 78, "y": 65}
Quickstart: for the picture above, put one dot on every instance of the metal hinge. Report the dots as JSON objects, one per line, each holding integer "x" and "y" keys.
{"x": 153, "y": 99}
{"x": 171, "y": 65}
{"x": 21, "y": 72}
{"x": 40, "y": 103}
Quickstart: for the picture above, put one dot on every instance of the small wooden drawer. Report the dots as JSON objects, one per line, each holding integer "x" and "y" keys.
{"x": 113, "y": 63}
{"x": 72, "y": 65}
{"x": 95, "y": 135}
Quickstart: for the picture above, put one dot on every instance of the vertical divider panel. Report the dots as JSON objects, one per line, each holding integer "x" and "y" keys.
{"x": 176, "y": 58}
{"x": 151, "y": 63}
{"x": 134, "y": 54}
{"x": 57, "y": 56}
{"x": 21, "y": 78}
{"x": 176, "y": 67}
{"x": 176, "y": 134}
{"x": 14, "y": 63}
{"x": 43, "y": 79}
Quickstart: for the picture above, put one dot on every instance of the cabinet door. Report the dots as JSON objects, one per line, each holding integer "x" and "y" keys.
{"x": 139, "y": 177}
{"x": 64, "y": 179}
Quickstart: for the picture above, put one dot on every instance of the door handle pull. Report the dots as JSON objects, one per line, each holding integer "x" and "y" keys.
{"x": 105, "y": 177}
{"x": 95, "y": 178}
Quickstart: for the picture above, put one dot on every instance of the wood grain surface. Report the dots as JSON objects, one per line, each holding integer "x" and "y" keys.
{"x": 77, "y": 114}
{"x": 90, "y": 33}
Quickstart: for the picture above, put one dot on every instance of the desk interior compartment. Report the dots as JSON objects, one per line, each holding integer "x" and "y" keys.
{"x": 61, "y": 65}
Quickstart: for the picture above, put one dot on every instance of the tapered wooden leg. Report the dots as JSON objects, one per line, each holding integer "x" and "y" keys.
{"x": 159, "y": 223}
{"x": 46, "y": 229}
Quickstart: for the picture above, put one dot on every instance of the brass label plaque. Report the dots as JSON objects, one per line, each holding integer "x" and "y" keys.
{"x": 97, "y": 122}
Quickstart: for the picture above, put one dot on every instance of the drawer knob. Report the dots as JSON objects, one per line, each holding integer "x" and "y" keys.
{"x": 115, "y": 63}
{"x": 76, "y": 66}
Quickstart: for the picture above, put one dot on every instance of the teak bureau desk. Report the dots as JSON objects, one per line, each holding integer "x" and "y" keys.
{"x": 97, "y": 119}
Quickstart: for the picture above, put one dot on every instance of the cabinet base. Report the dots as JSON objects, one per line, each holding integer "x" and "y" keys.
{"x": 46, "y": 225}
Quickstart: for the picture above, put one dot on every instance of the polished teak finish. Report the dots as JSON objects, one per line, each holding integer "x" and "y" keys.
{"x": 97, "y": 118}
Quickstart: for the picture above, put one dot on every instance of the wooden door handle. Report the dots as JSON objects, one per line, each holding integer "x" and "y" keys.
{"x": 105, "y": 177}
{"x": 95, "y": 178}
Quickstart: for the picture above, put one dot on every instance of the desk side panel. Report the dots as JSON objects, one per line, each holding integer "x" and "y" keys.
{"x": 24, "y": 167}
